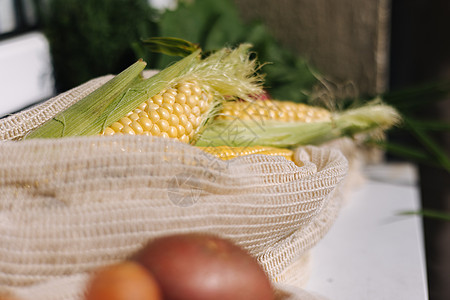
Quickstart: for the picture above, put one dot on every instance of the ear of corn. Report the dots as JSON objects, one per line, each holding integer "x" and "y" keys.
{"x": 204, "y": 84}
{"x": 111, "y": 101}
{"x": 272, "y": 123}
{"x": 182, "y": 109}
{"x": 273, "y": 110}
{"x": 227, "y": 152}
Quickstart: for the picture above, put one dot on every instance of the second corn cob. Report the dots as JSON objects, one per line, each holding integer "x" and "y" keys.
{"x": 285, "y": 111}
{"x": 227, "y": 152}
{"x": 286, "y": 124}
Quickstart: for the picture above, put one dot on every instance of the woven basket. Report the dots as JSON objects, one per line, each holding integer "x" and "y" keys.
{"x": 68, "y": 206}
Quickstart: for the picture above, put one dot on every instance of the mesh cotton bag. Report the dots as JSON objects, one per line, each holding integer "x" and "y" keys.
{"x": 70, "y": 205}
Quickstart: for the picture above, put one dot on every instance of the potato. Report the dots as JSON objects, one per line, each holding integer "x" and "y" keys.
{"x": 126, "y": 280}
{"x": 204, "y": 267}
{"x": 7, "y": 296}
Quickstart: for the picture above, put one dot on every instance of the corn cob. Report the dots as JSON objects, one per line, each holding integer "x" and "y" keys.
{"x": 286, "y": 124}
{"x": 285, "y": 111}
{"x": 176, "y": 112}
{"x": 226, "y": 152}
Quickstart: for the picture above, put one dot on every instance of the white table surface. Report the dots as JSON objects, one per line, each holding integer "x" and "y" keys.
{"x": 372, "y": 252}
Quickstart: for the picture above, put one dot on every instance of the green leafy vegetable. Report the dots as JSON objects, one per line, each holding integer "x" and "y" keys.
{"x": 215, "y": 24}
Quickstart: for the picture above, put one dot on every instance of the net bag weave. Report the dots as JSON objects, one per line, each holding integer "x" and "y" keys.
{"x": 68, "y": 206}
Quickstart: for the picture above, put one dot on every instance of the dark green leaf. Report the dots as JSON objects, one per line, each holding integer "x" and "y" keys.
{"x": 418, "y": 96}
{"x": 434, "y": 214}
{"x": 432, "y": 125}
{"x": 92, "y": 38}
{"x": 217, "y": 24}
{"x": 406, "y": 152}
{"x": 429, "y": 144}
{"x": 211, "y": 24}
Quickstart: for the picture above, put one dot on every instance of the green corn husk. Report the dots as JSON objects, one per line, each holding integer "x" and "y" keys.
{"x": 243, "y": 133}
{"x": 81, "y": 114}
{"x": 226, "y": 73}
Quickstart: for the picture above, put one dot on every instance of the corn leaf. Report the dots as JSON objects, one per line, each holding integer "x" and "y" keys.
{"x": 244, "y": 133}
{"x": 80, "y": 115}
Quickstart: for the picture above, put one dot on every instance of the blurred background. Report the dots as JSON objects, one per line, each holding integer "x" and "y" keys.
{"x": 333, "y": 53}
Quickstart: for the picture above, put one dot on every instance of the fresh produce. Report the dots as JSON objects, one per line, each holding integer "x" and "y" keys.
{"x": 127, "y": 280}
{"x": 209, "y": 100}
{"x": 227, "y": 152}
{"x": 286, "y": 124}
{"x": 7, "y": 296}
{"x": 204, "y": 267}
{"x": 177, "y": 102}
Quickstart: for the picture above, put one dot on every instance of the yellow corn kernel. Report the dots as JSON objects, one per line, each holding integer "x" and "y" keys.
{"x": 134, "y": 116}
{"x": 154, "y": 116}
{"x": 183, "y": 120}
{"x": 274, "y": 110}
{"x": 137, "y": 128}
{"x": 169, "y": 98}
{"x": 168, "y": 107}
{"x": 146, "y": 123}
{"x": 184, "y": 89}
{"x": 185, "y": 139}
{"x": 180, "y": 98}
{"x": 227, "y": 152}
{"x": 142, "y": 106}
{"x": 109, "y": 131}
{"x": 128, "y": 130}
{"x": 116, "y": 126}
{"x": 173, "y": 120}
{"x": 172, "y": 132}
{"x": 181, "y": 130}
{"x": 125, "y": 121}
{"x": 163, "y": 113}
{"x": 155, "y": 131}
{"x": 178, "y": 109}
{"x": 163, "y": 125}
{"x": 158, "y": 99}
{"x": 188, "y": 127}
{"x": 175, "y": 113}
